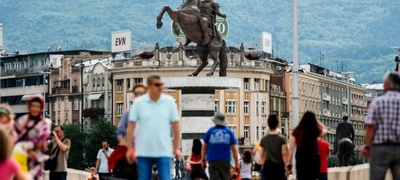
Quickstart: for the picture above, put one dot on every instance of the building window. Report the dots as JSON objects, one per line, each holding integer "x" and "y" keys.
{"x": 76, "y": 104}
{"x": 98, "y": 82}
{"x": 54, "y": 105}
{"x": 230, "y": 107}
{"x": 233, "y": 129}
{"x": 263, "y": 131}
{"x": 138, "y": 80}
{"x": 66, "y": 103}
{"x": 94, "y": 82}
{"x": 257, "y": 108}
{"x": 119, "y": 108}
{"x": 109, "y": 101}
{"x": 246, "y": 107}
{"x": 264, "y": 85}
{"x": 256, "y": 84}
{"x": 246, "y": 84}
{"x": 120, "y": 82}
{"x": 216, "y": 106}
{"x": 263, "y": 107}
{"x": 247, "y": 132}
{"x": 257, "y": 133}
{"x": 128, "y": 83}
{"x": 102, "y": 81}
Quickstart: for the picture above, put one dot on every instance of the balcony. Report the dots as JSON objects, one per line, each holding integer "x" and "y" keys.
{"x": 60, "y": 90}
{"x": 93, "y": 113}
{"x": 19, "y": 91}
{"x": 326, "y": 97}
{"x": 285, "y": 114}
{"x": 19, "y": 108}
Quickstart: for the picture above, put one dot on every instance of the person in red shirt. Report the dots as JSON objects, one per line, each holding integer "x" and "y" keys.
{"x": 323, "y": 147}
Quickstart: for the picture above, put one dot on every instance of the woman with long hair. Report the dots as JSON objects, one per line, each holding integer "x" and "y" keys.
{"x": 195, "y": 162}
{"x": 245, "y": 166}
{"x": 305, "y": 137}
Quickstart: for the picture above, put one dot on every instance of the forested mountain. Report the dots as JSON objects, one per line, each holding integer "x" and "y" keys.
{"x": 353, "y": 33}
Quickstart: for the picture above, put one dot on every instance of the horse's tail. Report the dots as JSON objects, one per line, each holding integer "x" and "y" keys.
{"x": 223, "y": 60}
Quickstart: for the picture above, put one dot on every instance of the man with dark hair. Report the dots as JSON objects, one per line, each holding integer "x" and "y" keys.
{"x": 138, "y": 90}
{"x": 343, "y": 130}
{"x": 274, "y": 151}
{"x": 155, "y": 112}
{"x": 59, "y": 148}
{"x": 382, "y": 131}
{"x": 102, "y": 160}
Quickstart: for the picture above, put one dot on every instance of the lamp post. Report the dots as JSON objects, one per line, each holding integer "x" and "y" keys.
{"x": 44, "y": 88}
{"x": 295, "y": 68}
{"x": 347, "y": 74}
{"x": 1, "y": 50}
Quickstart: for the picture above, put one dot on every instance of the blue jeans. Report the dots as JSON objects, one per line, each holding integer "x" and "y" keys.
{"x": 382, "y": 159}
{"x": 145, "y": 167}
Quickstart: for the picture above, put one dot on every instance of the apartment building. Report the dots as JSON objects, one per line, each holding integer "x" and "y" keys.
{"x": 325, "y": 93}
{"x": 246, "y": 108}
{"x": 66, "y": 86}
{"x": 97, "y": 97}
{"x": 23, "y": 75}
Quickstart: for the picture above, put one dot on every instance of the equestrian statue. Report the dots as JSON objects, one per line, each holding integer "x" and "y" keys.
{"x": 344, "y": 146}
{"x": 197, "y": 19}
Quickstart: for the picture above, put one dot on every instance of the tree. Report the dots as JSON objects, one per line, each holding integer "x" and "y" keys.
{"x": 77, "y": 137}
{"x": 101, "y": 130}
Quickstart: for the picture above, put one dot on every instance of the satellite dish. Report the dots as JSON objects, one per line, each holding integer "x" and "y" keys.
{"x": 49, "y": 49}
{"x": 59, "y": 48}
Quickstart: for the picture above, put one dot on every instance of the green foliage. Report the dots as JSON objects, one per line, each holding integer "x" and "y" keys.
{"x": 93, "y": 113}
{"x": 100, "y": 130}
{"x": 358, "y": 34}
{"x": 77, "y": 137}
{"x": 357, "y": 159}
{"x": 333, "y": 161}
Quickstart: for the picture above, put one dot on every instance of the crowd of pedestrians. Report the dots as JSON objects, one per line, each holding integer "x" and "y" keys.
{"x": 29, "y": 144}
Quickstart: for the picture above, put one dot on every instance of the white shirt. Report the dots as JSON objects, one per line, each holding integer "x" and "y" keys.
{"x": 245, "y": 170}
{"x": 103, "y": 160}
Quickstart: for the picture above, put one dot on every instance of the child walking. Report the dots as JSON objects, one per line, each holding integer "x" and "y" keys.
{"x": 246, "y": 165}
{"x": 9, "y": 168}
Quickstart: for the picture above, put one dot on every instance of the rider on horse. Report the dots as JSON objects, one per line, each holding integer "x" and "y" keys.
{"x": 343, "y": 130}
{"x": 208, "y": 11}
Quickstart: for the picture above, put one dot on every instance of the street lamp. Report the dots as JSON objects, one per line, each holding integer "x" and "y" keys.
{"x": 347, "y": 75}
{"x": 44, "y": 88}
{"x": 1, "y": 50}
{"x": 295, "y": 70}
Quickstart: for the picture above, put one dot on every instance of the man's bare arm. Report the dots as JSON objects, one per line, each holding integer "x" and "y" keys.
{"x": 129, "y": 134}
{"x": 177, "y": 135}
{"x": 369, "y": 133}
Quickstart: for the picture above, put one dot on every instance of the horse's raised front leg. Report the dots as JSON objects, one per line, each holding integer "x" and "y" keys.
{"x": 214, "y": 56}
{"x": 161, "y": 14}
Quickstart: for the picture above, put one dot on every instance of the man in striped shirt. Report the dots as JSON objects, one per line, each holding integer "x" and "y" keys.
{"x": 382, "y": 138}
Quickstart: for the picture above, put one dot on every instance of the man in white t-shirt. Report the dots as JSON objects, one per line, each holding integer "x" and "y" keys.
{"x": 102, "y": 160}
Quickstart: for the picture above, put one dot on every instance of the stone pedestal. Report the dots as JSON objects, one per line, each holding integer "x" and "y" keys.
{"x": 197, "y": 104}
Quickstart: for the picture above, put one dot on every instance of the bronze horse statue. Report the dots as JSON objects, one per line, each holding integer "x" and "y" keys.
{"x": 188, "y": 17}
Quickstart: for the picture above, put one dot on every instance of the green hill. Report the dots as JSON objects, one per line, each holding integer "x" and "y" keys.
{"x": 358, "y": 34}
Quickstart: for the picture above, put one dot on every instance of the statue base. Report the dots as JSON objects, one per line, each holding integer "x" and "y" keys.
{"x": 197, "y": 104}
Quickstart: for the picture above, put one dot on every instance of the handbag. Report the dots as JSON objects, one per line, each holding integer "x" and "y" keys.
{"x": 51, "y": 164}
